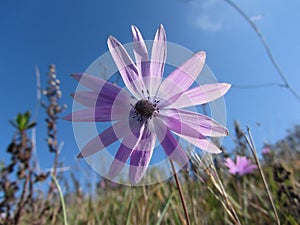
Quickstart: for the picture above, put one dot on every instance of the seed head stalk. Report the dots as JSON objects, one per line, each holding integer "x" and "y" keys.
{"x": 180, "y": 194}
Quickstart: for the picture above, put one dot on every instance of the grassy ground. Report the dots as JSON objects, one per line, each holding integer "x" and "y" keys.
{"x": 160, "y": 203}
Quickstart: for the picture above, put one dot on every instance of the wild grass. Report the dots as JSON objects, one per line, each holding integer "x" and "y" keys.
{"x": 160, "y": 203}
{"x": 243, "y": 198}
{"x": 269, "y": 195}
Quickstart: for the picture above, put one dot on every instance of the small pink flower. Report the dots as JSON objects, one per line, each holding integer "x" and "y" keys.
{"x": 241, "y": 167}
{"x": 266, "y": 151}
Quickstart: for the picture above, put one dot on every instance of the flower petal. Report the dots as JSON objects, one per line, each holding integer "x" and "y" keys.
{"x": 244, "y": 165}
{"x": 170, "y": 145}
{"x": 141, "y": 157}
{"x": 158, "y": 58}
{"x": 126, "y": 67}
{"x": 104, "y": 108}
{"x": 138, "y": 165}
{"x": 248, "y": 169}
{"x": 231, "y": 166}
{"x": 203, "y": 143}
{"x": 241, "y": 161}
{"x": 97, "y": 114}
{"x": 131, "y": 140}
{"x": 104, "y": 139}
{"x": 90, "y": 115}
{"x": 191, "y": 123}
{"x": 183, "y": 77}
{"x": 120, "y": 160}
{"x": 229, "y": 163}
{"x": 140, "y": 53}
{"x": 87, "y": 98}
{"x": 103, "y": 92}
{"x": 93, "y": 99}
{"x": 198, "y": 95}
{"x": 96, "y": 84}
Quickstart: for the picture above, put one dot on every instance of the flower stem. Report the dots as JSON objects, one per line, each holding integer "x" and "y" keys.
{"x": 180, "y": 194}
{"x": 253, "y": 150}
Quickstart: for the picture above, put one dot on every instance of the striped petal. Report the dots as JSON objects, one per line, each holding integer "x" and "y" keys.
{"x": 87, "y": 98}
{"x": 202, "y": 143}
{"x": 192, "y": 124}
{"x": 131, "y": 140}
{"x": 126, "y": 67}
{"x": 102, "y": 107}
{"x": 142, "y": 154}
{"x": 96, "y": 84}
{"x": 98, "y": 114}
{"x": 140, "y": 53}
{"x": 183, "y": 77}
{"x": 158, "y": 59}
{"x": 170, "y": 145}
{"x": 93, "y": 99}
{"x": 198, "y": 95}
{"x": 104, "y": 139}
{"x": 120, "y": 159}
{"x": 102, "y": 114}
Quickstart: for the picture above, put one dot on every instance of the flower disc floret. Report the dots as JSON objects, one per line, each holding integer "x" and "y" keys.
{"x": 145, "y": 108}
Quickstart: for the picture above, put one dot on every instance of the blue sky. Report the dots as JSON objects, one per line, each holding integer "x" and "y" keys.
{"x": 72, "y": 34}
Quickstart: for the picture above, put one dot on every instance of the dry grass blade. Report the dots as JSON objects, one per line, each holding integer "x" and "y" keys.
{"x": 250, "y": 142}
{"x": 211, "y": 171}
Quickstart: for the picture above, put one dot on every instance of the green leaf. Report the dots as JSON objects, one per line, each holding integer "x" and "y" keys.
{"x": 23, "y": 122}
{"x": 31, "y": 125}
{"x": 19, "y": 119}
{"x": 14, "y": 124}
{"x": 27, "y": 115}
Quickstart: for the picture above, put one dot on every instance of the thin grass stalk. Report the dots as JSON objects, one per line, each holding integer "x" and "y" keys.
{"x": 223, "y": 192}
{"x": 129, "y": 211}
{"x": 245, "y": 201}
{"x": 61, "y": 199}
{"x": 219, "y": 185}
{"x": 250, "y": 142}
{"x": 223, "y": 202}
{"x": 165, "y": 210}
{"x": 226, "y": 202}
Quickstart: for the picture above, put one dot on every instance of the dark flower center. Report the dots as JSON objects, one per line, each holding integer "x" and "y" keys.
{"x": 145, "y": 108}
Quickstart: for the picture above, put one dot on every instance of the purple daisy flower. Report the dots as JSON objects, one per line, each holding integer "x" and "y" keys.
{"x": 241, "y": 167}
{"x": 149, "y": 108}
